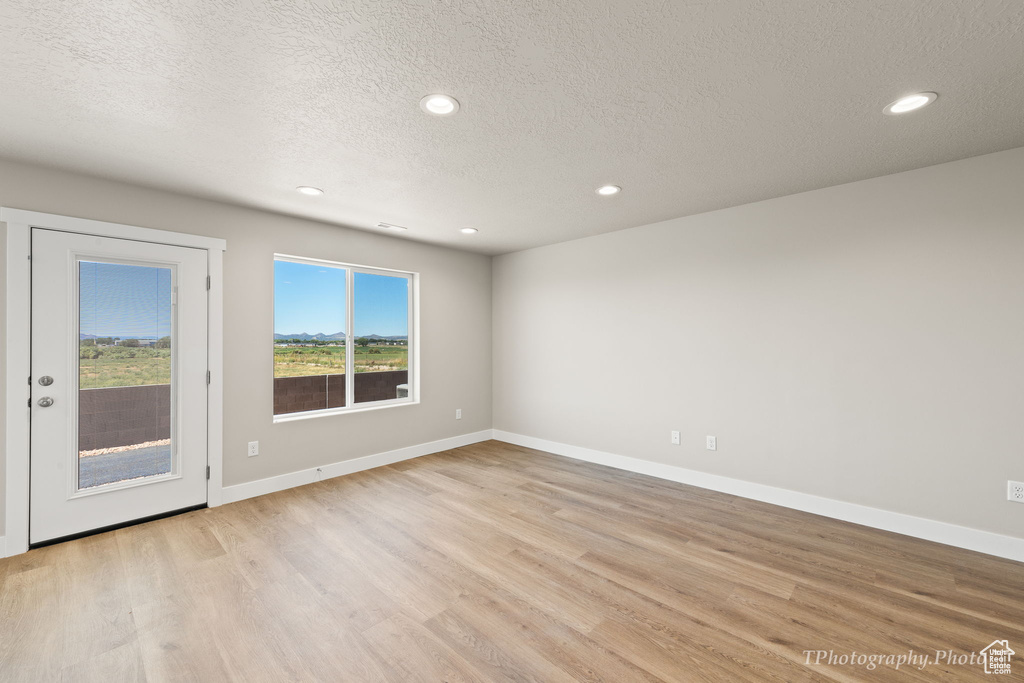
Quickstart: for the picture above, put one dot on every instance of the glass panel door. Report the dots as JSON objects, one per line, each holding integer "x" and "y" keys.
{"x": 126, "y": 366}
{"x": 120, "y": 351}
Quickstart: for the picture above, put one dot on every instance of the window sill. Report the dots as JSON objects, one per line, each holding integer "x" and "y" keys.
{"x": 309, "y": 415}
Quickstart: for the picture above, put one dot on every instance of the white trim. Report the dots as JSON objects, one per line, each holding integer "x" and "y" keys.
{"x": 87, "y": 226}
{"x": 281, "y": 482}
{"x": 414, "y": 336}
{"x": 940, "y": 532}
{"x": 18, "y": 351}
{"x": 17, "y": 364}
{"x": 358, "y": 408}
{"x": 292, "y": 258}
{"x": 215, "y": 390}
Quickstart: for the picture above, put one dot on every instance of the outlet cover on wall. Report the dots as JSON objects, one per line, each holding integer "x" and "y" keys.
{"x": 1015, "y": 491}
{"x": 675, "y": 438}
{"x": 254, "y": 448}
{"x": 458, "y": 413}
{"x": 712, "y": 443}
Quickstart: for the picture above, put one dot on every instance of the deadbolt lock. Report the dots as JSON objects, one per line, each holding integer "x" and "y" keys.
{"x": 45, "y": 380}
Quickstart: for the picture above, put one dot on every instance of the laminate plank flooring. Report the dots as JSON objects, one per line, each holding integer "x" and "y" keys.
{"x": 500, "y": 563}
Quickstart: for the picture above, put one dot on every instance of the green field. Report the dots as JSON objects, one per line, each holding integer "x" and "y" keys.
{"x": 301, "y": 361}
{"x": 117, "y": 366}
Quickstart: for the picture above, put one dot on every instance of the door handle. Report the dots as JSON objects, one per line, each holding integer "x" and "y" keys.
{"x": 45, "y": 402}
{"x": 45, "y": 380}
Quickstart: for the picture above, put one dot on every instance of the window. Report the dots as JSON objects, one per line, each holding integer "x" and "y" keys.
{"x": 343, "y": 337}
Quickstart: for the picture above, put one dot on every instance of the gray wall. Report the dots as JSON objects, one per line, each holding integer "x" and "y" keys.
{"x": 455, "y": 307}
{"x": 863, "y": 342}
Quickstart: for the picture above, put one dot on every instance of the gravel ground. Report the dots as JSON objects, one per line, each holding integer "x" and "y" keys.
{"x": 96, "y": 470}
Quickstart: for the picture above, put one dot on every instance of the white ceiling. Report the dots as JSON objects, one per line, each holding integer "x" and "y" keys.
{"x": 689, "y": 106}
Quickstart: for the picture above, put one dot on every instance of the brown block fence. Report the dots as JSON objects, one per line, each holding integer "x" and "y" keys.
{"x": 123, "y": 416}
{"x": 316, "y": 392}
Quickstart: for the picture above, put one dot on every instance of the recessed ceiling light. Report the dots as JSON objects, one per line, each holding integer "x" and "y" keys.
{"x": 468, "y": 231}
{"x": 910, "y": 103}
{"x": 439, "y": 105}
{"x": 389, "y": 226}
{"x": 608, "y": 190}
{"x": 311, "y": 191}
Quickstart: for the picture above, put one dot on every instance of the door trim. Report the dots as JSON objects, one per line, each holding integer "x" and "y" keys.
{"x": 18, "y": 352}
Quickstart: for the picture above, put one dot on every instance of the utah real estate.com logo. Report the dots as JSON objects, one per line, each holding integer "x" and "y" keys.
{"x": 996, "y": 657}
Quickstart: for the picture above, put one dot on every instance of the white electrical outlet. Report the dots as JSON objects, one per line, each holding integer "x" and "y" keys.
{"x": 1015, "y": 491}
{"x": 254, "y": 448}
{"x": 712, "y": 443}
{"x": 458, "y": 413}
{"x": 675, "y": 438}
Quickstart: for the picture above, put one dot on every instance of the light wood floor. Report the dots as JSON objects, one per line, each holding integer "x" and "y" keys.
{"x": 497, "y": 563}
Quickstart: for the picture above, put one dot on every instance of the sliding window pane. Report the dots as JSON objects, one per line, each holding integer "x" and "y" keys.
{"x": 309, "y": 337}
{"x": 381, "y": 335}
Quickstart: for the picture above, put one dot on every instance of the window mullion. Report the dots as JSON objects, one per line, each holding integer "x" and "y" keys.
{"x": 350, "y": 364}
{"x": 410, "y": 341}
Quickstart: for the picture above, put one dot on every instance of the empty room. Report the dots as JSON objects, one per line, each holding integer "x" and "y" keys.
{"x": 471, "y": 340}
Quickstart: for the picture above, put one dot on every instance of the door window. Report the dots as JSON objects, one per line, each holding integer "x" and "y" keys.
{"x": 126, "y": 356}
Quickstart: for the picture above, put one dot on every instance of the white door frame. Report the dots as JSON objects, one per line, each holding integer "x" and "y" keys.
{"x": 18, "y": 361}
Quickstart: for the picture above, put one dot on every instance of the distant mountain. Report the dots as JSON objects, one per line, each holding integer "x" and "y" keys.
{"x": 319, "y": 336}
{"x": 82, "y": 335}
{"x": 337, "y": 336}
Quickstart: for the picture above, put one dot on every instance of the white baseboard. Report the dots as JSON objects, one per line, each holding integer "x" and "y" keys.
{"x": 941, "y": 532}
{"x": 281, "y": 482}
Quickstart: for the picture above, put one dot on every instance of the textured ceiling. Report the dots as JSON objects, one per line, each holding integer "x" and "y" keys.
{"x": 689, "y": 106}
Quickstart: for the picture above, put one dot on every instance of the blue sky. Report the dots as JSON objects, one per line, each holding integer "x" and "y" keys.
{"x": 309, "y": 298}
{"x": 119, "y": 300}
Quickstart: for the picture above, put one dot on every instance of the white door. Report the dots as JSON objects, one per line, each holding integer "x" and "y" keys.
{"x": 119, "y": 360}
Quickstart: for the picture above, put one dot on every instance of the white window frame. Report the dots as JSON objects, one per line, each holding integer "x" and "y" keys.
{"x": 350, "y": 385}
